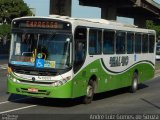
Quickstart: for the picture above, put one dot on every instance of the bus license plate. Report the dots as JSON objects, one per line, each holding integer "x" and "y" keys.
{"x": 34, "y": 90}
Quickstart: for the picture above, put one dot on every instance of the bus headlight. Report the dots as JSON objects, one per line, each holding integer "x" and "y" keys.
{"x": 14, "y": 80}
{"x": 10, "y": 77}
{"x": 57, "y": 83}
{"x": 64, "y": 80}
{"x": 61, "y": 82}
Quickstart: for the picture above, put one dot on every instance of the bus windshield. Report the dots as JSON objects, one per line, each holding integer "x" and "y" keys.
{"x": 43, "y": 51}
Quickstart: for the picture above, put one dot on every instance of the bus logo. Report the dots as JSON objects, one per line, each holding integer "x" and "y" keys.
{"x": 33, "y": 79}
{"x": 119, "y": 61}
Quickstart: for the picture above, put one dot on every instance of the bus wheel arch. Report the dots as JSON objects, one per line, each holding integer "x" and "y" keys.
{"x": 90, "y": 90}
{"x": 135, "y": 81}
{"x": 136, "y": 71}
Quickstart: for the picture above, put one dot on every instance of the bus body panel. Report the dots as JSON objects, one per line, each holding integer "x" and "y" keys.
{"x": 107, "y": 81}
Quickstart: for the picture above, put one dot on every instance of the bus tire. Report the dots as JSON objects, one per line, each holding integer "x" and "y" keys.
{"x": 90, "y": 92}
{"x": 134, "y": 85}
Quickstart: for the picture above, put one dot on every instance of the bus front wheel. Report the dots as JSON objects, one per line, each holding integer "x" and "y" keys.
{"x": 134, "y": 85}
{"x": 89, "y": 92}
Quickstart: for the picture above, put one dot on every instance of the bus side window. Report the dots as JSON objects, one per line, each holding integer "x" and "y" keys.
{"x": 120, "y": 42}
{"x": 145, "y": 43}
{"x": 130, "y": 41}
{"x": 108, "y": 42}
{"x": 138, "y": 43}
{"x": 80, "y": 37}
{"x": 95, "y": 42}
{"x": 151, "y": 43}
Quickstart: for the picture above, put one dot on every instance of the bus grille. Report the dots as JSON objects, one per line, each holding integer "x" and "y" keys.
{"x": 37, "y": 82}
{"x": 40, "y": 92}
{"x": 39, "y": 73}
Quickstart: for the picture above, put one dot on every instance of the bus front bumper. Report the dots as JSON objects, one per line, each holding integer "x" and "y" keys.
{"x": 64, "y": 91}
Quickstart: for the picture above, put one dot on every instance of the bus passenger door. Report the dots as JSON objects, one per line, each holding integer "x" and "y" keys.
{"x": 80, "y": 49}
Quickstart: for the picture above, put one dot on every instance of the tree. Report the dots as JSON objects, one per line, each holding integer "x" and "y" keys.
{"x": 151, "y": 25}
{"x": 5, "y": 30}
{"x": 11, "y": 9}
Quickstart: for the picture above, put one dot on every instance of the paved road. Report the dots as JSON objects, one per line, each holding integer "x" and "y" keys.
{"x": 145, "y": 100}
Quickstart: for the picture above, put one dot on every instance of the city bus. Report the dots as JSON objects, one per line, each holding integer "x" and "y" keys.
{"x": 63, "y": 57}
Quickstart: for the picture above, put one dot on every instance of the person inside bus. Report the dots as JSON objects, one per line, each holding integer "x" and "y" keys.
{"x": 79, "y": 53}
{"x": 28, "y": 44}
{"x": 24, "y": 44}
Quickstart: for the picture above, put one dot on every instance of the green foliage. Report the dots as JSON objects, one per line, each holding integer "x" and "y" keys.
{"x": 10, "y": 9}
{"x": 151, "y": 25}
{"x": 5, "y": 30}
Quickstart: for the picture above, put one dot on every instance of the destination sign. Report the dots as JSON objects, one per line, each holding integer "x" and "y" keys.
{"x": 41, "y": 24}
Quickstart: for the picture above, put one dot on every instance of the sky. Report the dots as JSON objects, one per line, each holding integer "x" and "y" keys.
{"x": 42, "y": 9}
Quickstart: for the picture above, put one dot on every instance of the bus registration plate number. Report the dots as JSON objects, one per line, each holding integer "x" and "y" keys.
{"x": 33, "y": 90}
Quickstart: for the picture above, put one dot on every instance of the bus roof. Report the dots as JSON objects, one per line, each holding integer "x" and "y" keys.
{"x": 100, "y": 23}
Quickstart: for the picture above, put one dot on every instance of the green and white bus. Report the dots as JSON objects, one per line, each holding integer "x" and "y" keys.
{"x": 63, "y": 57}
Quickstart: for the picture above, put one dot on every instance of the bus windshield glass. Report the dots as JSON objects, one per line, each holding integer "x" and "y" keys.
{"x": 42, "y": 51}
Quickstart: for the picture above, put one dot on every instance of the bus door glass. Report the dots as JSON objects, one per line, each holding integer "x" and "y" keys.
{"x": 80, "y": 47}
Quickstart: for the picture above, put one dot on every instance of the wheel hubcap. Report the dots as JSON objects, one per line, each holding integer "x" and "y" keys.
{"x": 89, "y": 91}
{"x": 135, "y": 84}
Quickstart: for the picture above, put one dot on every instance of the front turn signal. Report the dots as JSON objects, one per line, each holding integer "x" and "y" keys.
{"x": 9, "y": 70}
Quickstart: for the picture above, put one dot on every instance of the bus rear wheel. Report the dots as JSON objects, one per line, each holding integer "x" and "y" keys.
{"x": 134, "y": 85}
{"x": 89, "y": 93}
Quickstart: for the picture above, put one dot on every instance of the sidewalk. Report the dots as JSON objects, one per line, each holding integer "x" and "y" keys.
{"x": 157, "y": 72}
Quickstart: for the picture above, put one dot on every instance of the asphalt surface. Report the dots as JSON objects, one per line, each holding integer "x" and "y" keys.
{"x": 145, "y": 101}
